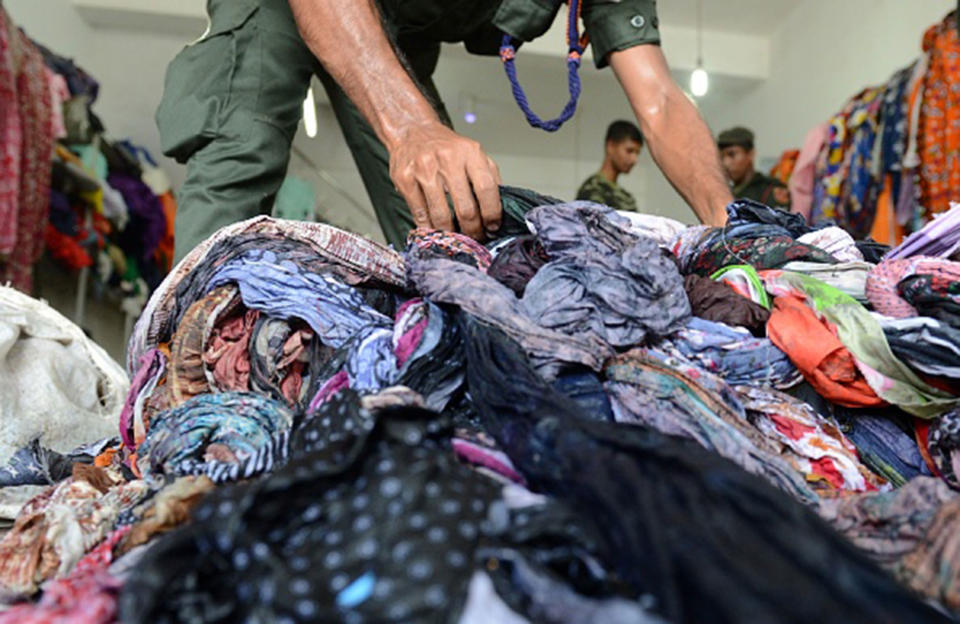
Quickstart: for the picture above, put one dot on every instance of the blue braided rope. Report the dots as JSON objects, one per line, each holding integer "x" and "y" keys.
{"x": 508, "y": 52}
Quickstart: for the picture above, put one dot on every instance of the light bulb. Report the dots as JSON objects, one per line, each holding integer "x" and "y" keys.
{"x": 699, "y": 82}
{"x": 470, "y": 118}
{"x": 310, "y": 114}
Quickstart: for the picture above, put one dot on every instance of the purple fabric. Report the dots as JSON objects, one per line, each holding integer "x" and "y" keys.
{"x": 151, "y": 365}
{"x": 148, "y": 224}
{"x": 938, "y": 238}
{"x": 907, "y": 199}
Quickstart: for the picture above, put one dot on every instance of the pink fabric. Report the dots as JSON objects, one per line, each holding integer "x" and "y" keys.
{"x": 329, "y": 388}
{"x": 87, "y": 596}
{"x": 488, "y": 458}
{"x": 59, "y": 94}
{"x": 152, "y": 365}
{"x": 881, "y": 287}
{"x": 802, "y": 180}
{"x": 26, "y": 155}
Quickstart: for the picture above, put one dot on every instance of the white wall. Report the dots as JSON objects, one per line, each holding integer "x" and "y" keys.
{"x": 129, "y": 66}
{"x": 824, "y": 53}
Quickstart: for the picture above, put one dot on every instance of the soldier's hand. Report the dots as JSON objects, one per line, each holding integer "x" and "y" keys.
{"x": 431, "y": 161}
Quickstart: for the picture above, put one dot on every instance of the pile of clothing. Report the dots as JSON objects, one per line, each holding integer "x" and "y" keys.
{"x": 591, "y": 419}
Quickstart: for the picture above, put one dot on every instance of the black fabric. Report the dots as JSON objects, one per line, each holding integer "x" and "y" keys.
{"x": 708, "y": 541}
{"x": 716, "y": 301}
{"x": 931, "y": 297}
{"x": 373, "y": 520}
{"x": 749, "y": 211}
{"x": 872, "y": 251}
{"x": 518, "y": 262}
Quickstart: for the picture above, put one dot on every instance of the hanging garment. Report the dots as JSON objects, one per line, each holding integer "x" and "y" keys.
{"x": 939, "y": 132}
{"x": 802, "y": 180}
{"x": 26, "y": 141}
{"x": 785, "y": 165}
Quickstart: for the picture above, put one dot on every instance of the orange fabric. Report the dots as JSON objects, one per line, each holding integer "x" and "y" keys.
{"x": 164, "y": 253}
{"x": 938, "y": 138}
{"x": 105, "y": 458}
{"x": 886, "y": 230}
{"x": 785, "y": 166}
{"x": 812, "y": 345}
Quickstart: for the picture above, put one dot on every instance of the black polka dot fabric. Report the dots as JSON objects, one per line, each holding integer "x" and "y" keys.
{"x": 372, "y": 520}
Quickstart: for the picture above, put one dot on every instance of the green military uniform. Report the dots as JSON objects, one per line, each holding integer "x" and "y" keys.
{"x": 232, "y": 100}
{"x": 764, "y": 189}
{"x": 597, "y": 188}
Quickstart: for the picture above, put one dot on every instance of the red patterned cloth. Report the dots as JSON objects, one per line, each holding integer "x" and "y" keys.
{"x": 26, "y": 154}
{"x": 88, "y": 595}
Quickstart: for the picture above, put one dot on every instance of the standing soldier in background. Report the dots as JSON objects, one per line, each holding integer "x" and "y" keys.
{"x": 621, "y": 149}
{"x": 737, "y": 156}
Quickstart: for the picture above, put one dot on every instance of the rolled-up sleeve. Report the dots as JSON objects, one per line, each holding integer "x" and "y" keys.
{"x": 615, "y": 25}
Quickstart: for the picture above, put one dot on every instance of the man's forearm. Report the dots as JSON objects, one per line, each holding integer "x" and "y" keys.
{"x": 677, "y": 136}
{"x": 349, "y": 40}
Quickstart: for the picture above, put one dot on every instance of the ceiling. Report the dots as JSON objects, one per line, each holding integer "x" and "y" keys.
{"x": 755, "y": 17}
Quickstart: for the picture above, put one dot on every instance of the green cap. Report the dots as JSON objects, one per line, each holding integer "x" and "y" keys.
{"x": 736, "y": 136}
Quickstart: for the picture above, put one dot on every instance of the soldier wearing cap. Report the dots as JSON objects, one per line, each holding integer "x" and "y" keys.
{"x": 737, "y": 156}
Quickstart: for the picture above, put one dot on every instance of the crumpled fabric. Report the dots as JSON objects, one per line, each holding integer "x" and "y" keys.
{"x": 152, "y": 367}
{"x": 55, "y": 529}
{"x": 369, "y": 521}
{"x": 602, "y": 280}
{"x": 734, "y": 354}
{"x": 936, "y": 295}
{"x": 835, "y": 241}
{"x": 910, "y": 531}
{"x": 427, "y": 243}
{"x": 715, "y": 560}
{"x": 220, "y": 429}
{"x": 850, "y": 278}
{"x": 88, "y": 595}
{"x": 449, "y": 282}
{"x": 517, "y": 262}
{"x": 762, "y": 253}
{"x": 429, "y": 351}
{"x": 35, "y": 464}
{"x": 747, "y": 211}
{"x": 661, "y": 229}
{"x": 71, "y": 388}
{"x": 717, "y": 301}
{"x": 282, "y": 354}
{"x": 885, "y": 285}
{"x": 943, "y": 443}
{"x": 814, "y": 444}
{"x": 354, "y": 259}
{"x": 650, "y": 388}
{"x": 278, "y": 287}
{"x": 885, "y": 443}
{"x": 862, "y": 335}
{"x": 745, "y": 281}
{"x": 186, "y": 376}
{"x": 926, "y": 345}
{"x": 812, "y": 345}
